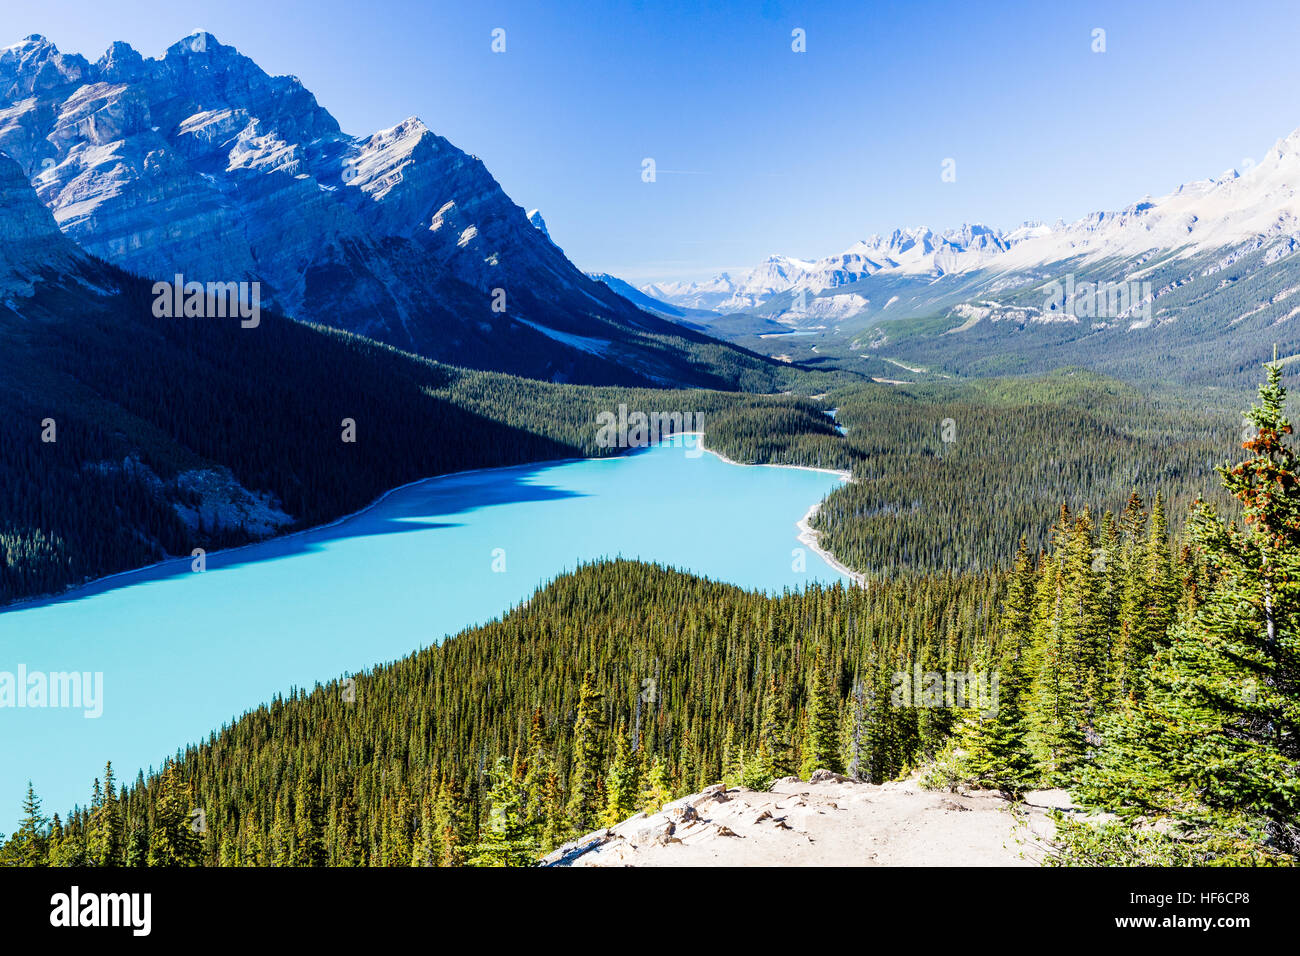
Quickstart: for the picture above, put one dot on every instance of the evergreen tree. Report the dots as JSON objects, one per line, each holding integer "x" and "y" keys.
{"x": 622, "y": 783}
{"x": 855, "y": 732}
{"x": 585, "y": 804}
{"x": 449, "y": 816}
{"x": 733, "y": 757}
{"x": 172, "y": 841}
{"x": 1064, "y": 640}
{"x": 505, "y": 840}
{"x": 309, "y": 830}
{"x": 771, "y": 759}
{"x": 657, "y": 791}
{"x": 104, "y": 840}
{"x": 819, "y": 749}
{"x": 30, "y": 845}
{"x": 1215, "y": 741}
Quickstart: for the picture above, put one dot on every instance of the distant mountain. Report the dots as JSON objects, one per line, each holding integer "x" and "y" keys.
{"x": 919, "y": 251}
{"x": 1197, "y": 284}
{"x": 701, "y": 320}
{"x": 199, "y": 163}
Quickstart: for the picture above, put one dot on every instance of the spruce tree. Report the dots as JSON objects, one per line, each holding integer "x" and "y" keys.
{"x": 172, "y": 841}
{"x": 104, "y": 840}
{"x": 309, "y": 829}
{"x": 771, "y": 759}
{"x": 994, "y": 738}
{"x": 622, "y": 783}
{"x": 822, "y": 722}
{"x": 1215, "y": 741}
{"x": 1066, "y": 649}
{"x": 450, "y": 818}
{"x": 855, "y": 731}
{"x": 30, "y": 845}
{"x": 585, "y": 803}
{"x": 505, "y": 840}
{"x": 658, "y": 790}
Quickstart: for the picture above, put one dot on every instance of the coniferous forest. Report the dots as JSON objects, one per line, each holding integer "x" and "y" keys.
{"x": 1148, "y": 660}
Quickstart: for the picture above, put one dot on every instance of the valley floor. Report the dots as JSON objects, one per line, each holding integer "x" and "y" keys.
{"x": 828, "y": 821}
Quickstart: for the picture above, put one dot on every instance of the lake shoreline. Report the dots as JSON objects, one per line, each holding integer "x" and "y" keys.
{"x": 807, "y": 535}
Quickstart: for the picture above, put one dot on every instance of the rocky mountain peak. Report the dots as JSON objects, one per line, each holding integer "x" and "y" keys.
{"x": 201, "y": 163}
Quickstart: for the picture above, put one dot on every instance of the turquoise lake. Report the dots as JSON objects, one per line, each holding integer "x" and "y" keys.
{"x": 182, "y": 653}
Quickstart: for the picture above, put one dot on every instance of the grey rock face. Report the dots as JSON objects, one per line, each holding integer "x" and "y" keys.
{"x": 202, "y": 164}
{"x": 32, "y": 249}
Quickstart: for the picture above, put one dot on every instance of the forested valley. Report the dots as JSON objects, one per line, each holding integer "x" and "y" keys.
{"x": 1157, "y": 676}
{"x": 113, "y": 422}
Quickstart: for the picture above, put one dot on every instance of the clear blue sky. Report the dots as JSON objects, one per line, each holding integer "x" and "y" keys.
{"x": 775, "y": 151}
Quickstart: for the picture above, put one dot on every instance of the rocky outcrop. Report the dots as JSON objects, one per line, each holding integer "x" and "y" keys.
{"x": 828, "y": 820}
{"x": 32, "y": 249}
{"x": 200, "y": 163}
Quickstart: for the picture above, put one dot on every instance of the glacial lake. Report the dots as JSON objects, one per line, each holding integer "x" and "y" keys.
{"x": 182, "y": 653}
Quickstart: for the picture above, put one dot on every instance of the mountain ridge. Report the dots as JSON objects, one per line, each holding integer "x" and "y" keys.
{"x": 200, "y": 163}
{"x": 1260, "y": 204}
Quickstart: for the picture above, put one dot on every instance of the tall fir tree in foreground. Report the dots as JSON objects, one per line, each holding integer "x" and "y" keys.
{"x": 505, "y": 840}
{"x": 993, "y": 738}
{"x": 820, "y": 749}
{"x": 104, "y": 842}
{"x": 772, "y": 755}
{"x": 1214, "y": 742}
{"x": 585, "y": 798}
{"x": 622, "y": 783}
{"x": 172, "y": 841}
{"x": 30, "y": 844}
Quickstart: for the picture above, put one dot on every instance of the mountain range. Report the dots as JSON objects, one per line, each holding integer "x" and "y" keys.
{"x": 1196, "y": 284}
{"x": 200, "y": 164}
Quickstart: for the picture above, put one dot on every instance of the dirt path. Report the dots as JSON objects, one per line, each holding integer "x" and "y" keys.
{"x": 829, "y": 821}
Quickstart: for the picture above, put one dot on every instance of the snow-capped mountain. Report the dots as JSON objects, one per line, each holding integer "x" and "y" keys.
{"x": 199, "y": 163}
{"x": 917, "y": 251}
{"x": 1224, "y": 217}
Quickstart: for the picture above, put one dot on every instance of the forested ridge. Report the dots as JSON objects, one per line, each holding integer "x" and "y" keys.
{"x": 134, "y": 404}
{"x": 952, "y": 475}
{"x": 139, "y": 405}
{"x": 1156, "y": 680}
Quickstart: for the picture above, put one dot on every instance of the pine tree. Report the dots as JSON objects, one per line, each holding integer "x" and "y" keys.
{"x": 1133, "y": 634}
{"x": 994, "y": 738}
{"x": 309, "y": 829}
{"x": 137, "y": 846}
{"x": 772, "y": 755}
{"x": 172, "y": 841}
{"x": 104, "y": 840}
{"x": 585, "y": 804}
{"x": 733, "y": 757}
{"x": 449, "y": 816}
{"x": 1215, "y": 741}
{"x": 30, "y": 845}
{"x": 622, "y": 783}
{"x": 555, "y": 825}
{"x": 505, "y": 840}
{"x": 819, "y": 749}
{"x": 1066, "y": 649}
{"x": 657, "y": 791}
{"x": 347, "y": 850}
{"x": 884, "y": 745}
{"x": 855, "y": 732}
